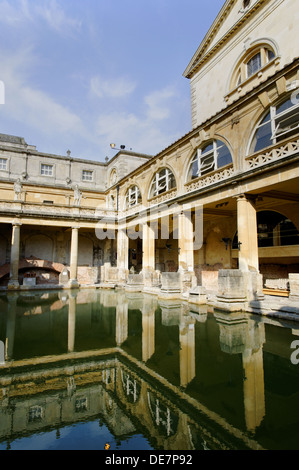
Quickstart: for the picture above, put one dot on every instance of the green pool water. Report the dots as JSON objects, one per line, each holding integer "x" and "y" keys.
{"x": 82, "y": 369}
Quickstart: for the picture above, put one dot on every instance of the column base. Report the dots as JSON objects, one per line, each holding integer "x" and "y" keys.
{"x": 73, "y": 284}
{"x": 13, "y": 285}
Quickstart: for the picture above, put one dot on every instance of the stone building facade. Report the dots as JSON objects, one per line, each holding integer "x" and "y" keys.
{"x": 215, "y": 213}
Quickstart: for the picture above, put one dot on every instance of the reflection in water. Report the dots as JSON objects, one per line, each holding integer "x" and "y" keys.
{"x": 143, "y": 373}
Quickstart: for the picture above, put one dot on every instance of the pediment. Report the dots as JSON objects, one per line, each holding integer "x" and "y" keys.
{"x": 229, "y": 19}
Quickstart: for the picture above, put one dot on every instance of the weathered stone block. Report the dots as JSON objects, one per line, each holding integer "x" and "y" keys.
{"x": 171, "y": 282}
{"x": 198, "y": 295}
{"x": 64, "y": 276}
{"x": 294, "y": 286}
{"x": 237, "y": 287}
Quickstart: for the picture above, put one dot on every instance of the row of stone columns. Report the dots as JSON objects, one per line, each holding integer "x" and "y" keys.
{"x": 15, "y": 257}
{"x": 247, "y": 235}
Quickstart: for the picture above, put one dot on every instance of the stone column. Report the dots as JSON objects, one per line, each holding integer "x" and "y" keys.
{"x": 74, "y": 258}
{"x": 122, "y": 254}
{"x": 186, "y": 254}
{"x": 247, "y": 234}
{"x": 148, "y": 256}
{"x": 148, "y": 247}
{"x": 15, "y": 257}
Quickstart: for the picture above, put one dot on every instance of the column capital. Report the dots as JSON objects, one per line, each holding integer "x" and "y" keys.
{"x": 246, "y": 196}
{"x": 16, "y": 223}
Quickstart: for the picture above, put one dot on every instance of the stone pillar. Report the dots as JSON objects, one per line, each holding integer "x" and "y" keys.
{"x": 15, "y": 257}
{"x": 122, "y": 254}
{"x": 74, "y": 258}
{"x": 148, "y": 247}
{"x": 247, "y": 234}
{"x": 186, "y": 253}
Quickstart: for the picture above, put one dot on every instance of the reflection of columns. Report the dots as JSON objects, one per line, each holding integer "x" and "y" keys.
{"x": 121, "y": 321}
{"x": 238, "y": 334}
{"x": 254, "y": 388}
{"x": 15, "y": 256}
{"x": 71, "y": 323}
{"x": 148, "y": 328}
{"x": 2, "y": 353}
{"x": 247, "y": 234}
{"x": 186, "y": 254}
{"x": 10, "y": 326}
{"x": 187, "y": 350}
{"x": 148, "y": 247}
{"x": 74, "y": 257}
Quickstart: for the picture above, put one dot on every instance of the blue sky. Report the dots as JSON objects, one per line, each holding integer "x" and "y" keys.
{"x": 81, "y": 74}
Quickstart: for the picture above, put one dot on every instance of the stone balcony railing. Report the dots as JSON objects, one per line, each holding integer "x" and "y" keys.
{"x": 279, "y": 151}
{"x": 54, "y": 210}
{"x": 214, "y": 177}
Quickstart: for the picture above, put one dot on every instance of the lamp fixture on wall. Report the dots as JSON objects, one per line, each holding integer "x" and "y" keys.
{"x": 169, "y": 245}
{"x": 227, "y": 241}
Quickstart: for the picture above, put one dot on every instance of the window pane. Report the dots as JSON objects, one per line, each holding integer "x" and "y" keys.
{"x": 224, "y": 155}
{"x": 46, "y": 170}
{"x": 270, "y": 55}
{"x": 254, "y": 64}
{"x": 262, "y": 138}
{"x": 3, "y": 164}
{"x": 193, "y": 172}
{"x": 208, "y": 148}
{"x": 87, "y": 175}
{"x": 284, "y": 106}
{"x": 207, "y": 163}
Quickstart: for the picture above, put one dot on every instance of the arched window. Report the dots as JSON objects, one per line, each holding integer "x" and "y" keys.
{"x": 273, "y": 229}
{"x": 113, "y": 177}
{"x": 250, "y": 64}
{"x": 281, "y": 122}
{"x": 163, "y": 181}
{"x": 133, "y": 197}
{"x": 212, "y": 156}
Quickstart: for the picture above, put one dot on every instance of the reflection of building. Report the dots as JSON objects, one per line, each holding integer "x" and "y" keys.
{"x": 146, "y": 373}
{"x": 238, "y": 164}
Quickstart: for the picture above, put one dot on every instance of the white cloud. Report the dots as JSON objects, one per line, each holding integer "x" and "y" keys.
{"x": 111, "y": 88}
{"x": 25, "y": 11}
{"x": 159, "y": 103}
{"x": 36, "y": 108}
{"x": 56, "y": 18}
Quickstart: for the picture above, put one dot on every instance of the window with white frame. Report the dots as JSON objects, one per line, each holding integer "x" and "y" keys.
{"x": 212, "y": 156}
{"x": 133, "y": 197}
{"x": 46, "y": 170}
{"x": 163, "y": 181}
{"x": 281, "y": 122}
{"x": 87, "y": 175}
{"x": 252, "y": 63}
{"x": 3, "y": 164}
